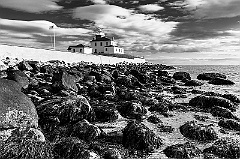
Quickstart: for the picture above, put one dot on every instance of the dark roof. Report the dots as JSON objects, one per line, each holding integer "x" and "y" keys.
{"x": 79, "y": 45}
{"x": 111, "y": 46}
{"x": 101, "y": 39}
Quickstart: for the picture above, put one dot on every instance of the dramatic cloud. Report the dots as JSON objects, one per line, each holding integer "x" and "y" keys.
{"x": 124, "y": 21}
{"x": 150, "y": 8}
{"x": 209, "y": 9}
{"x": 33, "y": 6}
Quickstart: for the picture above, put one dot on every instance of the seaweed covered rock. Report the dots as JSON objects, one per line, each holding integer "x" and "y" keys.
{"x": 221, "y": 81}
{"x": 64, "y": 81}
{"x": 16, "y": 110}
{"x": 112, "y": 153}
{"x": 182, "y": 151}
{"x": 29, "y": 143}
{"x": 69, "y": 109}
{"x": 230, "y": 124}
{"x": 154, "y": 119}
{"x": 178, "y": 90}
{"x": 223, "y": 112}
{"x": 193, "y": 83}
{"x": 137, "y": 136}
{"x": 24, "y": 65}
{"x": 231, "y": 97}
{"x": 199, "y": 132}
{"x": 105, "y": 113}
{"x": 181, "y": 76}
{"x": 73, "y": 148}
{"x": 211, "y": 101}
{"x": 162, "y": 73}
{"x": 18, "y": 76}
{"x": 85, "y": 130}
{"x": 131, "y": 109}
{"x": 225, "y": 148}
{"x": 143, "y": 78}
{"x": 210, "y": 76}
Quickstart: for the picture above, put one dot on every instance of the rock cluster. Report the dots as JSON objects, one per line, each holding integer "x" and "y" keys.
{"x": 58, "y": 110}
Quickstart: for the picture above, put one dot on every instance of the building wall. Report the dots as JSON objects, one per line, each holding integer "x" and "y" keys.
{"x": 98, "y": 46}
{"x": 84, "y": 50}
{"x": 113, "y": 50}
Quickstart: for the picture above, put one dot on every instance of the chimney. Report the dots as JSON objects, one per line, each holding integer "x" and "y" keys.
{"x": 112, "y": 38}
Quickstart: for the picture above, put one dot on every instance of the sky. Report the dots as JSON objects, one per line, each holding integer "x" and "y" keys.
{"x": 173, "y": 32}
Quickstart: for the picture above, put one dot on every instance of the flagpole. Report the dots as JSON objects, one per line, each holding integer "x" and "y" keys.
{"x": 54, "y": 40}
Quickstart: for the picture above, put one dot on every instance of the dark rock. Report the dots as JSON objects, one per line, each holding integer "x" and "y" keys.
{"x": 181, "y": 76}
{"x": 221, "y": 81}
{"x": 25, "y": 148}
{"x": 24, "y": 66}
{"x": 178, "y": 90}
{"x": 230, "y": 124}
{"x": 162, "y": 73}
{"x": 97, "y": 75}
{"x": 154, "y": 119}
{"x": 182, "y": 151}
{"x": 64, "y": 81}
{"x": 162, "y": 106}
{"x": 225, "y": 148}
{"x": 167, "y": 80}
{"x": 112, "y": 153}
{"x": 17, "y": 110}
{"x": 211, "y": 94}
{"x": 49, "y": 123}
{"x": 138, "y": 136}
{"x": 18, "y": 76}
{"x": 72, "y": 148}
{"x": 68, "y": 109}
{"x": 132, "y": 109}
{"x": 142, "y": 78}
{"x": 115, "y": 74}
{"x": 48, "y": 69}
{"x": 85, "y": 131}
{"x": 201, "y": 118}
{"x": 231, "y": 97}
{"x": 195, "y": 91}
{"x": 199, "y": 132}
{"x": 211, "y": 101}
{"x": 210, "y": 76}
{"x": 193, "y": 83}
{"x": 223, "y": 112}
{"x": 164, "y": 128}
{"x": 105, "y": 113}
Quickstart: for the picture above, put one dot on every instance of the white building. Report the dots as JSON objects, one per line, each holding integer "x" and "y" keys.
{"x": 80, "y": 49}
{"x": 102, "y": 44}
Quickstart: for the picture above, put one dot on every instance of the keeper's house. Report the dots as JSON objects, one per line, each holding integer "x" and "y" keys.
{"x": 80, "y": 49}
{"x": 100, "y": 44}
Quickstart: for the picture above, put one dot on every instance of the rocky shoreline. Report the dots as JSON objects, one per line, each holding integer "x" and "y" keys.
{"x": 57, "y": 110}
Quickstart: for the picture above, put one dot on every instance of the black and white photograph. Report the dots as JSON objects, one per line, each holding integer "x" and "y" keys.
{"x": 119, "y": 79}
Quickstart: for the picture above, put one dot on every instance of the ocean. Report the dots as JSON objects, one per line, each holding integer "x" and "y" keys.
{"x": 231, "y": 71}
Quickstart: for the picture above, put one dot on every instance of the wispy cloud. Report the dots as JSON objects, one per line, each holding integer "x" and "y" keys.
{"x": 33, "y": 6}
{"x": 150, "y": 8}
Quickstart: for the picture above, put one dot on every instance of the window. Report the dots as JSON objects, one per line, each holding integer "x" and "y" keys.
{"x": 100, "y": 43}
{"x": 73, "y": 50}
{"x": 106, "y": 49}
{"x": 106, "y": 43}
{"x": 80, "y": 50}
{"x": 95, "y": 50}
{"x": 119, "y": 50}
{"x": 95, "y": 43}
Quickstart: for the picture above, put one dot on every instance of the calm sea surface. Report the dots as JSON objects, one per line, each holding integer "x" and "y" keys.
{"x": 231, "y": 71}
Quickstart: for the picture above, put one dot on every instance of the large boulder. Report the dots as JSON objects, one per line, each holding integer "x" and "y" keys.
{"x": 64, "y": 81}
{"x": 199, "y": 132}
{"x": 105, "y": 113}
{"x": 230, "y": 124}
{"x": 211, "y": 101}
{"x": 73, "y": 148}
{"x": 137, "y": 136}
{"x": 69, "y": 109}
{"x": 132, "y": 109}
{"x": 18, "y": 76}
{"x": 85, "y": 131}
{"x": 223, "y": 112}
{"x": 182, "y": 151}
{"x": 24, "y": 66}
{"x": 140, "y": 76}
{"x": 231, "y": 97}
{"x": 193, "y": 83}
{"x": 210, "y": 76}
{"x": 181, "y": 76}
{"x": 16, "y": 110}
{"x": 221, "y": 81}
{"x": 225, "y": 148}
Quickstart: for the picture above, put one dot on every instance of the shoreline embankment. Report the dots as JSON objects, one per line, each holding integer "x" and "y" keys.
{"x": 44, "y": 55}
